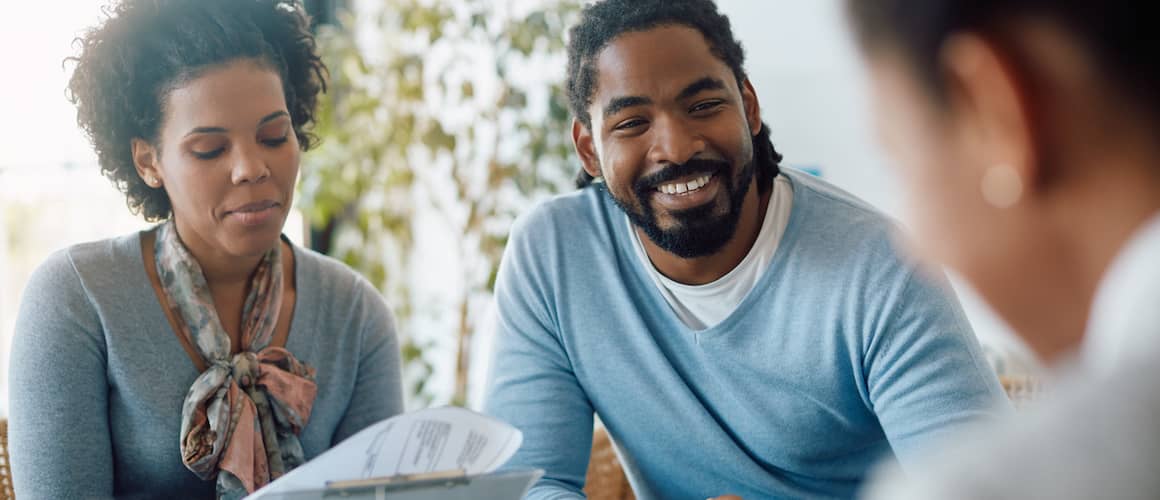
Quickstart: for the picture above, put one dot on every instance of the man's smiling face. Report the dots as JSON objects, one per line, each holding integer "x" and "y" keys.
{"x": 671, "y": 135}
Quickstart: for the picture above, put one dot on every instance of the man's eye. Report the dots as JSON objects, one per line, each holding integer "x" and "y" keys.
{"x": 705, "y": 106}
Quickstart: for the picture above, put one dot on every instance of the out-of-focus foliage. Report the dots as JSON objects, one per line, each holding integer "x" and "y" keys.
{"x": 454, "y": 107}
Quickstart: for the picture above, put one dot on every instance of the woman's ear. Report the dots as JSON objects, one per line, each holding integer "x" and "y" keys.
{"x": 585, "y": 148}
{"x": 989, "y": 104}
{"x": 145, "y": 161}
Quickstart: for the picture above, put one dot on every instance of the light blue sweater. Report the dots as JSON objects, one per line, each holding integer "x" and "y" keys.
{"x": 98, "y": 375}
{"x": 841, "y": 355}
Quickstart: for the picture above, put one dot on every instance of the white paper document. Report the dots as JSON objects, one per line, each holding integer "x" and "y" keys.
{"x": 424, "y": 441}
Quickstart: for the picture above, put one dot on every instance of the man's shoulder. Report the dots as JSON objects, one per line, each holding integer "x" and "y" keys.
{"x": 581, "y": 203}
{"x": 826, "y": 200}
{"x": 565, "y": 233}
{"x": 830, "y": 219}
{"x": 579, "y": 214}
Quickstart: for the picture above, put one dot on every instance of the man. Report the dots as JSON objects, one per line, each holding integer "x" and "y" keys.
{"x": 738, "y": 329}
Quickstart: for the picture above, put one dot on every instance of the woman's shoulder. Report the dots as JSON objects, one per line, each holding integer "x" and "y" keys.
{"x": 93, "y": 265}
{"x": 329, "y": 277}
{"x": 68, "y": 291}
{"x": 332, "y": 293}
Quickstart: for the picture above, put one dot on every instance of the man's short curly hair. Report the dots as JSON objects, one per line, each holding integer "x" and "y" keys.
{"x": 130, "y": 63}
{"x": 603, "y": 21}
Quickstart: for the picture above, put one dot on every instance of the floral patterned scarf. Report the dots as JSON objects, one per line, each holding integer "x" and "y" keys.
{"x": 242, "y": 416}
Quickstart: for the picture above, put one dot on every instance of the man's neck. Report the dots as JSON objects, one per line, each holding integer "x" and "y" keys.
{"x": 710, "y": 268}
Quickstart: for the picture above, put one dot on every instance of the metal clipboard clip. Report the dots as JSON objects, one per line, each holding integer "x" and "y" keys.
{"x": 380, "y": 486}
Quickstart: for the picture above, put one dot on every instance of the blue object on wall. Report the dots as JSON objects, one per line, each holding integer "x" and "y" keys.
{"x": 814, "y": 170}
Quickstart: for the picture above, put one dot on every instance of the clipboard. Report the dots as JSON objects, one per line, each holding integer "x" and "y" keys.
{"x": 452, "y": 485}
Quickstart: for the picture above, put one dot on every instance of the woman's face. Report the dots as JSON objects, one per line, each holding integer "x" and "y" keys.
{"x": 228, "y": 159}
{"x": 941, "y": 162}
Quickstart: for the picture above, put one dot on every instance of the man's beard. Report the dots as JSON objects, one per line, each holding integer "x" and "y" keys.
{"x": 698, "y": 231}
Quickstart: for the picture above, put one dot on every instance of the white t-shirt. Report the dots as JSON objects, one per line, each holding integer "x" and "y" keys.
{"x": 702, "y": 306}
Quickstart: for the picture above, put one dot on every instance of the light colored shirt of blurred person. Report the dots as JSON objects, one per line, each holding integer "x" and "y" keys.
{"x": 1025, "y": 134}
{"x": 208, "y": 355}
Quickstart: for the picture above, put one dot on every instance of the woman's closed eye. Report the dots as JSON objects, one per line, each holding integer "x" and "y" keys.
{"x": 276, "y": 141}
{"x": 208, "y": 155}
{"x": 276, "y": 133}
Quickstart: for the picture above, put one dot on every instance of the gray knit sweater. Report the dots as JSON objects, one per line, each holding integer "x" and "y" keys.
{"x": 97, "y": 375}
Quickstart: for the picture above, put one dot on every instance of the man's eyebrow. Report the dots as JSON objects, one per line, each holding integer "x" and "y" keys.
{"x": 619, "y": 103}
{"x": 706, "y": 83}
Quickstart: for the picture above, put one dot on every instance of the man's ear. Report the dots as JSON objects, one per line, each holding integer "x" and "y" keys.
{"x": 752, "y": 107}
{"x": 145, "y": 161}
{"x": 585, "y": 148}
{"x": 991, "y": 108}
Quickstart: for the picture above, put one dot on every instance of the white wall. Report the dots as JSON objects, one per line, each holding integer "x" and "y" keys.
{"x": 809, "y": 82}
{"x": 812, "y": 88}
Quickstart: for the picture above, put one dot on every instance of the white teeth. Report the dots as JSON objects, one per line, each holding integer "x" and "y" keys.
{"x": 685, "y": 187}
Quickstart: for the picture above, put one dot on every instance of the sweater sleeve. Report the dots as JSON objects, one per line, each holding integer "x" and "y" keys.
{"x": 59, "y": 424}
{"x": 532, "y": 384}
{"x": 926, "y": 376}
{"x": 378, "y": 392}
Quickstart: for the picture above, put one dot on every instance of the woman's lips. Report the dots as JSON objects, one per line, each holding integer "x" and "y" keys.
{"x": 254, "y": 214}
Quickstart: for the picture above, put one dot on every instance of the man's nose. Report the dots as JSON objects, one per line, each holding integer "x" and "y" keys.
{"x": 675, "y": 141}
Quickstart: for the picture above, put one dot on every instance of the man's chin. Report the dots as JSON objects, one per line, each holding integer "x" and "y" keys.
{"x": 691, "y": 238}
{"x": 703, "y": 215}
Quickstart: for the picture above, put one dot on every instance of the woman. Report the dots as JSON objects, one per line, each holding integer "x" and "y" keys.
{"x": 1025, "y": 133}
{"x": 209, "y": 351}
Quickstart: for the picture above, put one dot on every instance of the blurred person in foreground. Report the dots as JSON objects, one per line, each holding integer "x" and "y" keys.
{"x": 208, "y": 352}
{"x": 1026, "y": 137}
{"x": 737, "y": 327}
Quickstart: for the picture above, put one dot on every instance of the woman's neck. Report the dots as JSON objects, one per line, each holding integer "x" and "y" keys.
{"x": 1091, "y": 219}
{"x": 1106, "y": 206}
{"x": 221, "y": 270}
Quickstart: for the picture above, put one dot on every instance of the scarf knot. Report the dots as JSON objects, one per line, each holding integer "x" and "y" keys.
{"x": 245, "y": 369}
{"x": 241, "y": 417}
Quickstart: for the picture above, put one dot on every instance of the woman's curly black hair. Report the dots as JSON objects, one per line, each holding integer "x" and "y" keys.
{"x": 130, "y": 63}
